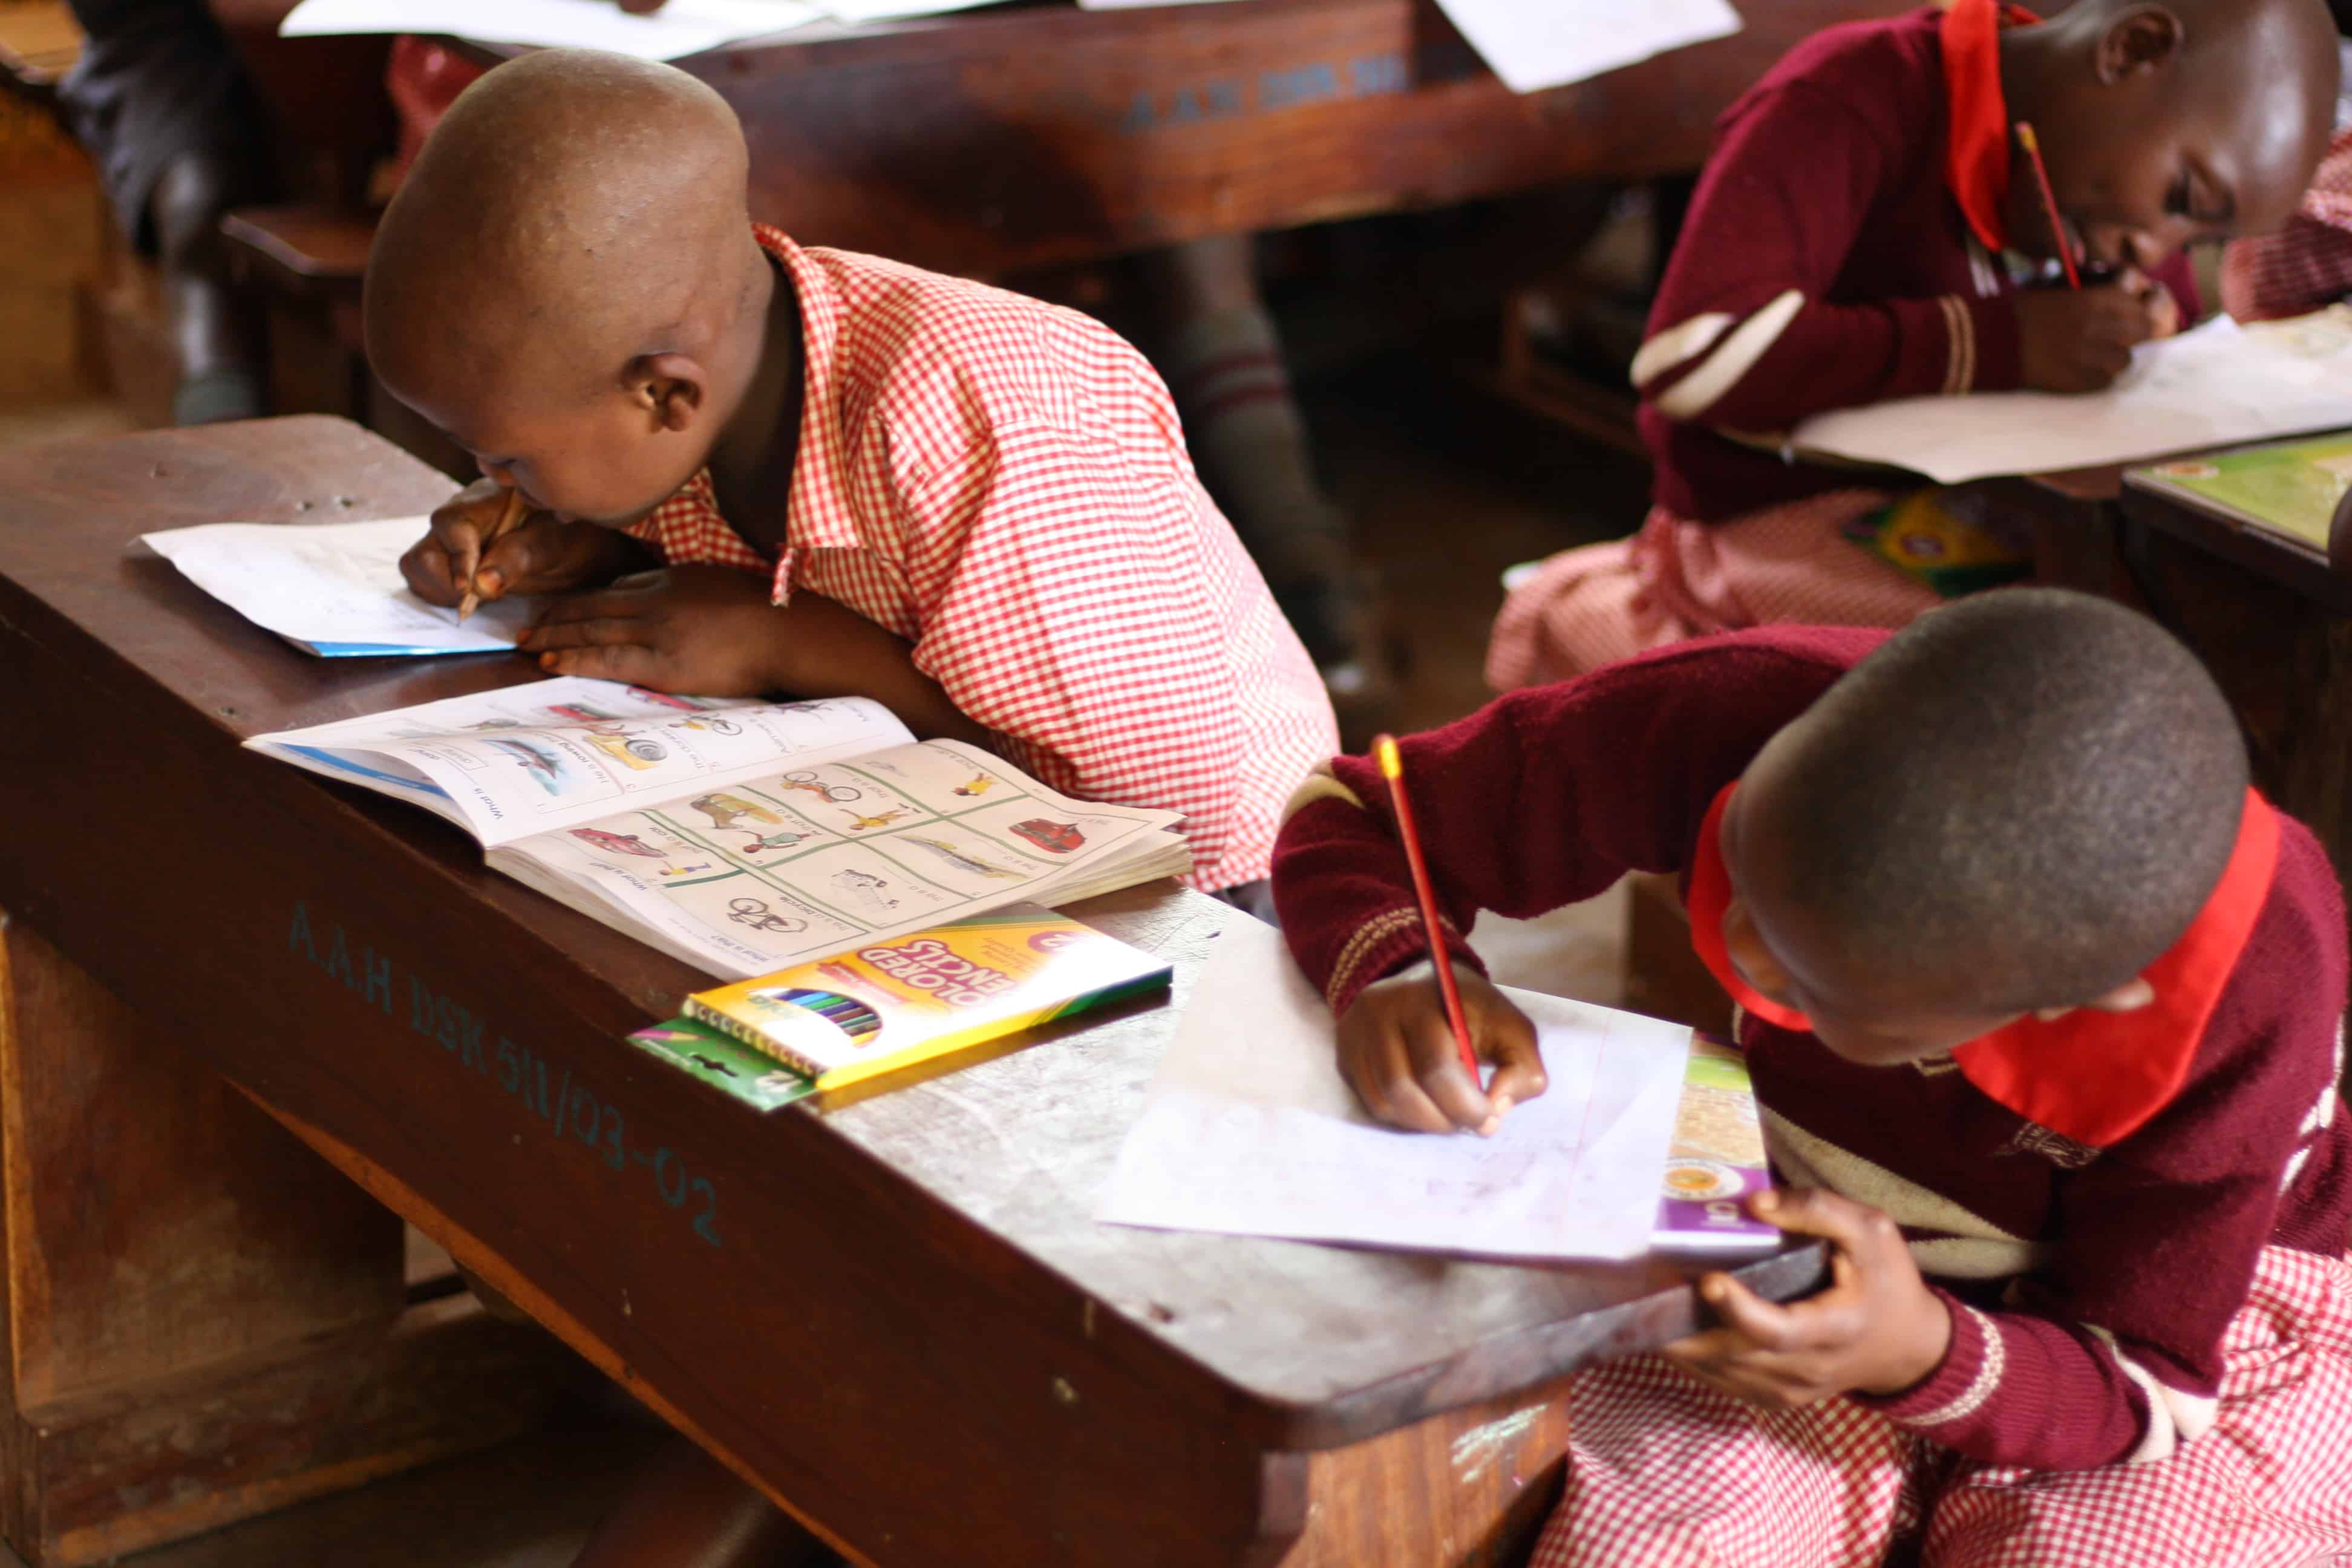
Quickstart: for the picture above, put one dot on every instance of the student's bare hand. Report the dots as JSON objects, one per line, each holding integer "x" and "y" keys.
{"x": 540, "y": 555}
{"x": 2081, "y": 340}
{"x": 700, "y": 628}
{"x": 1877, "y": 1329}
{"x": 1397, "y": 1052}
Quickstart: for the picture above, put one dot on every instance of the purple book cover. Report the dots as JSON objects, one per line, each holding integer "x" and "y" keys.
{"x": 1715, "y": 1160}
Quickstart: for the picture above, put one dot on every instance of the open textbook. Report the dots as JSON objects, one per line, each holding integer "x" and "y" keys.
{"x": 332, "y": 588}
{"x": 740, "y": 836}
{"x": 2214, "y": 386}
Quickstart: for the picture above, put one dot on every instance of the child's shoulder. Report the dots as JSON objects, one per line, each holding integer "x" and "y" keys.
{"x": 1008, "y": 354}
{"x": 1894, "y": 61}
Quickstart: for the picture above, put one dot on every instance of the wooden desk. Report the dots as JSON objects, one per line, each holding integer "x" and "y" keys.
{"x": 898, "y": 1316}
{"x": 2266, "y": 617}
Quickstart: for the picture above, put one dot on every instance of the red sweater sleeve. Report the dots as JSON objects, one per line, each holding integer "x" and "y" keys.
{"x": 2115, "y": 1350}
{"x": 1541, "y": 798}
{"x": 1745, "y": 336}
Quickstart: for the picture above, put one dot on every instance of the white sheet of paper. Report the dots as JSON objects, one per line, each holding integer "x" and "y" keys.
{"x": 679, "y": 28}
{"x": 1536, "y": 44}
{"x": 2217, "y": 385}
{"x": 335, "y": 582}
{"x": 1250, "y": 1130}
{"x": 854, "y": 12}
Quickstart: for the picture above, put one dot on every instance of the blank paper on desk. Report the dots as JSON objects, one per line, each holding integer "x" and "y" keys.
{"x": 1250, "y": 1131}
{"x": 1536, "y": 44}
{"x": 2215, "y": 386}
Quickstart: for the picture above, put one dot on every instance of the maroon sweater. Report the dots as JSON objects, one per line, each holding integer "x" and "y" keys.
{"x": 1827, "y": 261}
{"x": 2089, "y": 1289}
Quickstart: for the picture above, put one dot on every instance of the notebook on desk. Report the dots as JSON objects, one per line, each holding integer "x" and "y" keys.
{"x": 2294, "y": 488}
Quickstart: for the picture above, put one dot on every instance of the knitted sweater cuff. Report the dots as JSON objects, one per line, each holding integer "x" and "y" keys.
{"x": 1961, "y": 1383}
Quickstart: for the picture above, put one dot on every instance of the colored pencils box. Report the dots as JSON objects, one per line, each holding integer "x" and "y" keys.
{"x": 891, "y": 1004}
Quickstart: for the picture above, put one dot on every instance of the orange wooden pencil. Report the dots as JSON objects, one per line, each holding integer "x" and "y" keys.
{"x": 1384, "y": 750}
{"x": 498, "y": 529}
{"x": 2032, "y": 145}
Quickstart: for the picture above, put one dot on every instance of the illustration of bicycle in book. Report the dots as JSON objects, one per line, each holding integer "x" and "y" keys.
{"x": 807, "y": 783}
{"x": 756, "y": 914}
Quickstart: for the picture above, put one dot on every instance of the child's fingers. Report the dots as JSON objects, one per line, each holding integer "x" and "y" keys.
{"x": 426, "y": 568}
{"x": 1509, "y": 1042}
{"x": 1855, "y": 1228}
{"x": 1390, "y": 1092}
{"x": 599, "y": 631}
{"x": 1438, "y": 1071}
{"x": 630, "y": 662}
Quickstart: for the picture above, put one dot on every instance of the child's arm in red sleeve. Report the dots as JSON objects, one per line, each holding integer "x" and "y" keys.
{"x": 1538, "y": 799}
{"x": 1743, "y": 338}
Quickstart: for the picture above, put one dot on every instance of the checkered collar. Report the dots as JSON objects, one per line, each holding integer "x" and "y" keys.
{"x": 817, "y": 515}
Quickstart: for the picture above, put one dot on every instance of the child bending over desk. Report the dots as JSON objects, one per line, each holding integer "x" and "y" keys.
{"x": 1846, "y": 245}
{"x": 757, "y": 467}
{"x": 2043, "y": 1005}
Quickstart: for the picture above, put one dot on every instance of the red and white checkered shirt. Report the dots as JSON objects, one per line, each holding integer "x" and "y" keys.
{"x": 2308, "y": 263}
{"x": 1004, "y": 484}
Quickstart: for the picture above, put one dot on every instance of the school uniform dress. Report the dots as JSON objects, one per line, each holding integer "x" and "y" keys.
{"x": 1843, "y": 246}
{"x": 2136, "y": 1221}
{"x": 1004, "y": 484}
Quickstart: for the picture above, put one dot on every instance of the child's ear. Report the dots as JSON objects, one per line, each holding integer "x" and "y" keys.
{"x": 670, "y": 387}
{"x": 2129, "y": 997}
{"x": 2142, "y": 38}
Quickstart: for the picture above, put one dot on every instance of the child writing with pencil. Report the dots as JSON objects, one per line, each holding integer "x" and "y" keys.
{"x": 1850, "y": 242}
{"x": 2042, "y": 1005}
{"x": 742, "y": 466}
{"x": 745, "y": 466}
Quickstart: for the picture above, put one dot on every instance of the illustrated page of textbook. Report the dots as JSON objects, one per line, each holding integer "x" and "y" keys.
{"x": 797, "y": 864}
{"x": 565, "y": 752}
{"x": 331, "y": 584}
{"x": 1249, "y": 1129}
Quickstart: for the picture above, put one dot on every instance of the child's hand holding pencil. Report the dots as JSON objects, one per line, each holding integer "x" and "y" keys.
{"x": 486, "y": 542}
{"x": 1397, "y": 1051}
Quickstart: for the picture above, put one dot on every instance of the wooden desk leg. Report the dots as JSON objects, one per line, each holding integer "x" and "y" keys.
{"x": 1468, "y": 1489}
{"x": 204, "y": 1320}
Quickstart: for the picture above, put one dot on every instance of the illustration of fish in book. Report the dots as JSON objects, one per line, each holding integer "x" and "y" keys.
{"x": 545, "y": 768}
{"x": 958, "y": 858}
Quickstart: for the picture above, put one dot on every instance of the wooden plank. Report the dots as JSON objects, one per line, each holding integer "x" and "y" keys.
{"x": 928, "y": 1258}
{"x": 153, "y": 1221}
{"x": 104, "y": 1475}
{"x": 999, "y": 140}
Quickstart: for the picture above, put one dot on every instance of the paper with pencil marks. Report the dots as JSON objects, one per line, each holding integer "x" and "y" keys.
{"x": 1250, "y": 1130}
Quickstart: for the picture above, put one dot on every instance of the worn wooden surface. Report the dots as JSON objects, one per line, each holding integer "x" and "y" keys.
{"x": 1006, "y": 138}
{"x": 205, "y": 1322}
{"x": 897, "y": 1316}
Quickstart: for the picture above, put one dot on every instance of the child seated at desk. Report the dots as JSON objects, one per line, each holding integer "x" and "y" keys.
{"x": 1846, "y": 245}
{"x": 752, "y": 467}
{"x": 2042, "y": 1004}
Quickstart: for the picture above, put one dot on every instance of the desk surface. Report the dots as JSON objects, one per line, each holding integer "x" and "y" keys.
{"x": 826, "y": 1298}
{"x": 988, "y": 141}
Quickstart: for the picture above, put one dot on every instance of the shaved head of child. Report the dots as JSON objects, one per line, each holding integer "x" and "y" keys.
{"x": 567, "y": 283}
{"x": 2172, "y": 122}
{"x": 2015, "y": 805}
